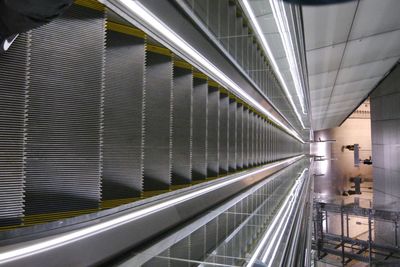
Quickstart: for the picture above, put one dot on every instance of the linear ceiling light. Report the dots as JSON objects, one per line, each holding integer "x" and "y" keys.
{"x": 59, "y": 240}
{"x": 246, "y": 6}
{"x": 158, "y": 27}
{"x": 280, "y": 16}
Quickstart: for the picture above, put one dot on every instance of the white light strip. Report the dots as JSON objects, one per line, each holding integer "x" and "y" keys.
{"x": 271, "y": 229}
{"x": 280, "y": 16}
{"x": 275, "y": 244}
{"x": 76, "y": 235}
{"x": 267, "y": 49}
{"x": 157, "y": 26}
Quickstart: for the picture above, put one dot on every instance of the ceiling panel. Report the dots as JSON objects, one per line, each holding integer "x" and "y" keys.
{"x": 373, "y": 48}
{"x": 374, "y": 17}
{"x": 275, "y": 43}
{"x": 367, "y": 84}
{"x": 260, "y": 8}
{"x": 351, "y": 67}
{"x": 327, "y": 25}
{"x": 322, "y": 80}
{"x": 365, "y": 71}
{"x": 324, "y": 59}
{"x": 267, "y": 23}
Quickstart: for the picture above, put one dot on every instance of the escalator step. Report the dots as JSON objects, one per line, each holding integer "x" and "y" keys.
{"x": 64, "y": 123}
{"x": 123, "y": 113}
{"x": 212, "y": 131}
{"x": 232, "y": 134}
{"x": 223, "y": 133}
{"x": 14, "y": 67}
{"x": 182, "y": 126}
{"x": 157, "y": 122}
{"x": 200, "y": 92}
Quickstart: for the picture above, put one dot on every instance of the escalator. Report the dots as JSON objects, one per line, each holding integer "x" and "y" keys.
{"x": 106, "y": 129}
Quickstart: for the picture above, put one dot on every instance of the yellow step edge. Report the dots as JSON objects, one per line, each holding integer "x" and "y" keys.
{"x": 200, "y": 75}
{"x": 182, "y": 64}
{"x": 116, "y": 27}
{"x": 213, "y": 84}
{"x": 158, "y": 50}
{"x": 92, "y": 4}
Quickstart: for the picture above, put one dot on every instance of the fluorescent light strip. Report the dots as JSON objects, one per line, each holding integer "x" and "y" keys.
{"x": 267, "y": 49}
{"x": 280, "y": 16}
{"x": 275, "y": 245}
{"x": 157, "y": 26}
{"x": 271, "y": 229}
{"x": 76, "y": 235}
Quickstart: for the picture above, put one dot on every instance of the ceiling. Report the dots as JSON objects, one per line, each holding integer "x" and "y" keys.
{"x": 349, "y": 49}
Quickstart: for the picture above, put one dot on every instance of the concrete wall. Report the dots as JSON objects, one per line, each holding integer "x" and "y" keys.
{"x": 385, "y": 124}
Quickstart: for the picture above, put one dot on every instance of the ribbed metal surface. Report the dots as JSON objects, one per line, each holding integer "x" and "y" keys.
{"x": 232, "y": 134}
{"x": 123, "y": 107}
{"x": 158, "y": 122}
{"x": 239, "y": 136}
{"x": 199, "y": 160}
{"x": 182, "y": 126}
{"x": 246, "y": 137}
{"x": 264, "y": 138}
{"x": 64, "y": 123}
{"x": 252, "y": 139}
{"x": 14, "y": 67}
{"x": 212, "y": 132}
{"x": 85, "y": 120}
{"x": 223, "y": 133}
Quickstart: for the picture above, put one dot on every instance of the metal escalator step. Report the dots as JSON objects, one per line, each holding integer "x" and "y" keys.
{"x": 264, "y": 130}
{"x": 212, "y": 132}
{"x": 123, "y": 113}
{"x": 246, "y": 137}
{"x": 232, "y": 135}
{"x": 239, "y": 134}
{"x": 64, "y": 122}
{"x": 199, "y": 145}
{"x": 157, "y": 122}
{"x": 182, "y": 126}
{"x": 223, "y": 133}
{"x": 14, "y": 79}
{"x": 252, "y": 139}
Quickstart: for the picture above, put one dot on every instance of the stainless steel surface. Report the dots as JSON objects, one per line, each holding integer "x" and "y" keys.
{"x": 171, "y": 16}
{"x": 123, "y": 113}
{"x": 213, "y": 132}
{"x": 218, "y": 236}
{"x": 385, "y": 123}
{"x": 200, "y": 90}
{"x": 64, "y": 119}
{"x": 13, "y": 83}
{"x": 157, "y": 122}
{"x": 108, "y": 237}
{"x": 182, "y": 135}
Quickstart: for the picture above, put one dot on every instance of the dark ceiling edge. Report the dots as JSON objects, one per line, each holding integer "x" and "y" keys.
{"x": 369, "y": 94}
